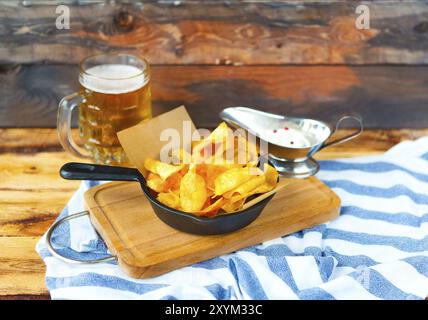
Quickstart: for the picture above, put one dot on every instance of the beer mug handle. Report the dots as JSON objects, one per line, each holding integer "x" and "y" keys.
{"x": 65, "y": 111}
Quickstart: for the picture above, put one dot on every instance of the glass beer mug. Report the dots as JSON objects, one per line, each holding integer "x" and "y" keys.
{"x": 114, "y": 95}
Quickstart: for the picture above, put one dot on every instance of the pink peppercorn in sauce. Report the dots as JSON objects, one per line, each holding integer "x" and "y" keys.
{"x": 290, "y": 137}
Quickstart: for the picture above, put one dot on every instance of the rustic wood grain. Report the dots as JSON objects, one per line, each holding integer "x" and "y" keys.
{"x": 24, "y": 141}
{"x": 21, "y": 269}
{"x": 31, "y": 141}
{"x": 27, "y": 215}
{"x": 42, "y": 296}
{"x": 38, "y": 62}
{"x": 219, "y": 32}
{"x": 386, "y": 97}
{"x": 31, "y": 191}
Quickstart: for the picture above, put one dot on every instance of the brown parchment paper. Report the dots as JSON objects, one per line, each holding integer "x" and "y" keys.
{"x": 143, "y": 140}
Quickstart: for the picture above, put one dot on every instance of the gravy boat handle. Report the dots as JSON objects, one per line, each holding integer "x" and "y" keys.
{"x": 348, "y": 137}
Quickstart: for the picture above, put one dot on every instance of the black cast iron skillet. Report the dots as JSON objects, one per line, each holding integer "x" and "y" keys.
{"x": 177, "y": 219}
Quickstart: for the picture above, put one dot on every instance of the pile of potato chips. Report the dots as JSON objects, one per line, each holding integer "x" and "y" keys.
{"x": 220, "y": 173}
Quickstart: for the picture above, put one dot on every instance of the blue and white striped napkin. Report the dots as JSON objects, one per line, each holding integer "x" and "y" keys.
{"x": 376, "y": 249}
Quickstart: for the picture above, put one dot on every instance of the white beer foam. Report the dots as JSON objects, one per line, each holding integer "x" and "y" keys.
{"x": 113, "y": 78}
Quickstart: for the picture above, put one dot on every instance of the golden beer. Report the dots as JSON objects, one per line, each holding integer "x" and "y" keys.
{"x": 114, "y": 95}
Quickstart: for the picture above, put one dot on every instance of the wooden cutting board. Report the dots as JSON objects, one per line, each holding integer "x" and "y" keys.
{"x": 146, "y": 247}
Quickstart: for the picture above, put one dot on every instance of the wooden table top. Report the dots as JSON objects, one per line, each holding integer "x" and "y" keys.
{"x": 32, "y": 194}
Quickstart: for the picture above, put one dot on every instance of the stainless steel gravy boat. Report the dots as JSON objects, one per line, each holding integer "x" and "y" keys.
{"x": 291, "y": 150}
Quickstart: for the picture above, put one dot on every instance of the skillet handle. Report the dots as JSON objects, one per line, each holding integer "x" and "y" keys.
{"x": 87, "y": 171}
{"x": 351, "y": 136}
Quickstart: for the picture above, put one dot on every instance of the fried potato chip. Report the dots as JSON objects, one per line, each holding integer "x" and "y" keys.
{"x": 271, "y": 180}
{"x": 231, "y": 179}
{"x": 212, "y": 209}
{"x": 176, "y": 191}
{"x": 225, "y": 147}
{"x": 257, "y": 184}
{"x": 173, "y": 182}
{"x": 164, "y": 170}
{"x": 271, "y": 174}
{"x": 230, "y": 206}
{"x": 246, "y": 151}
{"x": 246, "y": 187}
{"x": 210, "y": 172}
{"x": 201, "y": 169}
{"x": 193, "y": 193}
{"x": 181, "y": 156}
{"x": 169, "y": 199}
{"x": 220, "y": 132}
{"x": 211, "y": 149}
{"x": 265, "y": 187}
{"x": 151, "y": 165}
{"x": 155, "y": 182}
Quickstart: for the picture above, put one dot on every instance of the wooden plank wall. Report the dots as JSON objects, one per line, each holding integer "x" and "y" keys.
{"x": 292, "y": 57}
